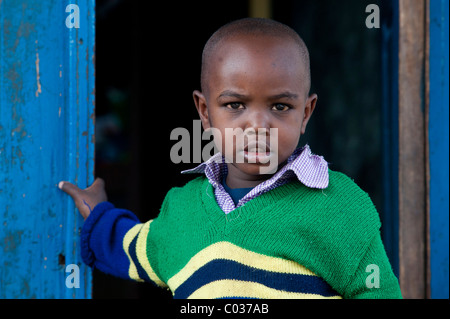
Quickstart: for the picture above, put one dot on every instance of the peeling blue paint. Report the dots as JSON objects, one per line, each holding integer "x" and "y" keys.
{"x": 46, "y": 129}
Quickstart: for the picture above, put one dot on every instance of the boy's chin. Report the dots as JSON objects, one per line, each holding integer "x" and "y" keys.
{"x": 254, "y": 169}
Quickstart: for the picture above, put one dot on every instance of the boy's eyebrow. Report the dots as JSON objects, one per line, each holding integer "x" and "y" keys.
{"x": 229, "y": 93}
{"x": 286, "y": 95}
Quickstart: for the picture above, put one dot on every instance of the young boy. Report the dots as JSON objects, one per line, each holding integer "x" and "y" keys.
{"x": 298, "y": 231}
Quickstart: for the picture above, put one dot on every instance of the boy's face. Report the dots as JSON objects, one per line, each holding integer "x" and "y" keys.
{"x": 253, "y": 84}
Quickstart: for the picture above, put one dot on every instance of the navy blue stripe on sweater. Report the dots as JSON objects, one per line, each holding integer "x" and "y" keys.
{"x": 220, "y": 269}
{"x": 132, "y": 251}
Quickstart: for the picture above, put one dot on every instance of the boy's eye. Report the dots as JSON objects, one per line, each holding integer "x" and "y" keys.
{"x": 280, "y": 107}
{"x": 235, "y": 105}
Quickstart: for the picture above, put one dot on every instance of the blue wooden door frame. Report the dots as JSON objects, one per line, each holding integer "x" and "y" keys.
{"x": 438, "y": 133}
{"x": 47, "y": 94}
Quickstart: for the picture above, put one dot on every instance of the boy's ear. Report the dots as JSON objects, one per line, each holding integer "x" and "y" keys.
{"x": 310, "y": 105}
{"x": 202, "y": 109}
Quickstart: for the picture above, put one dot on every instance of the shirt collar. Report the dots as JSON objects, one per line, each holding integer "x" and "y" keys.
{"x": 311, "y": 170}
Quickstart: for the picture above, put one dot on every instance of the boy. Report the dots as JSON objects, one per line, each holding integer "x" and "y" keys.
{"x": 298, "y": 231}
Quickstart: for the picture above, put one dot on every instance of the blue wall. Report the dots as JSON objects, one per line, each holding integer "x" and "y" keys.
{"x": 46, "y": 135}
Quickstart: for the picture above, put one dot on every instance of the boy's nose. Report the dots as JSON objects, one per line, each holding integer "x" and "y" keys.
{"x": 255, "y": 121}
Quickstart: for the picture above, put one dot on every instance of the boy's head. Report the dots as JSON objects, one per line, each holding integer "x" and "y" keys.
{"x": 253, "y": 27}
{"x": 255, "y": 79}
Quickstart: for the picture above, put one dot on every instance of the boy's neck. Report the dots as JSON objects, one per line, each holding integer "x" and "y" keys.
{"x": 238, "y": 179}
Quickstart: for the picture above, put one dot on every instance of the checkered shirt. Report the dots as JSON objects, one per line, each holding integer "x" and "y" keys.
{"x": 309, "y": 169}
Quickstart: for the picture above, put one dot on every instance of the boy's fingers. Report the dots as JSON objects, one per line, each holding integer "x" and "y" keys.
{"x": 69, "y": 188}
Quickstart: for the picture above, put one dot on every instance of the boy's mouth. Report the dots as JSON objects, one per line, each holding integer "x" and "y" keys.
{"x": 255, "y": 152}
{"x": 255, "y": 147}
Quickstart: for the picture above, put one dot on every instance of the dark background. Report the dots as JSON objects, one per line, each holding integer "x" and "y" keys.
{"x": 148, "y": 56}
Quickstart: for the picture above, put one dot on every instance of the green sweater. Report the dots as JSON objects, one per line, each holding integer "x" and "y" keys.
{"x": 291, "y": 242}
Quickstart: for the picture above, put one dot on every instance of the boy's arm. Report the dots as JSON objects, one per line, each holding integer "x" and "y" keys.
{"x": 102, "y": 239}
{"x": 374, "y": 278}
{"x": 112, "y": 240}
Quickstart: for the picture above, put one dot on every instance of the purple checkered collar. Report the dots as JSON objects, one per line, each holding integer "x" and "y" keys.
{"x": 310, "y": 169}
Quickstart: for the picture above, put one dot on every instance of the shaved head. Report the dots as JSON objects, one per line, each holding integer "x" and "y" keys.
{"x": 253, "y": 27}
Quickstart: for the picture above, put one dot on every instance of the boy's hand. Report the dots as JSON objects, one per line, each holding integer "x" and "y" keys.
{"x": 85, "y": 199}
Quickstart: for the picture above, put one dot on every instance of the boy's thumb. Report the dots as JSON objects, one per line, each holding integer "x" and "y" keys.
{"x": 69, "y": 188}
{"x": 98, "y": 184}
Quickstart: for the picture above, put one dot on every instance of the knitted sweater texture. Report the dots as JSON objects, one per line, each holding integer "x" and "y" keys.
{"x": 291, "y": 242}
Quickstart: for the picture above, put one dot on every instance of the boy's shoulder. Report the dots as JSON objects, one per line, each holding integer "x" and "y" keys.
{"x": 190, "y": 186}
{"x": 345, "y": 187}
{"x": 342, "y": 203}
{"x": 189, "y": 190}
{"x": 339, "y": 177}
{"x": 349, "y": 197}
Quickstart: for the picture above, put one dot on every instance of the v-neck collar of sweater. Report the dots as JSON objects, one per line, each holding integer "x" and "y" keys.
{"x": 249, "y": 210}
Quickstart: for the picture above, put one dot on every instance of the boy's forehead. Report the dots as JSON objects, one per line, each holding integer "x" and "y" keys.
{"x": 242, "y": 52}
{"x": 261, "y": 45}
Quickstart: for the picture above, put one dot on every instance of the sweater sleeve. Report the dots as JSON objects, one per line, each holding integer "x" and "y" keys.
{"x": 114, "y": 241}
{"x": 374, "y": 278}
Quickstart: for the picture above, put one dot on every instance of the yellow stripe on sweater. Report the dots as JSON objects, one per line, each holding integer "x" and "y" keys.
{"x": 227, "y": 250}
{"x": 129, "y": 236}
{"x": 229, "y": 288}
{"x": 140, "y": 230}
{"x": 141, "y": 253}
